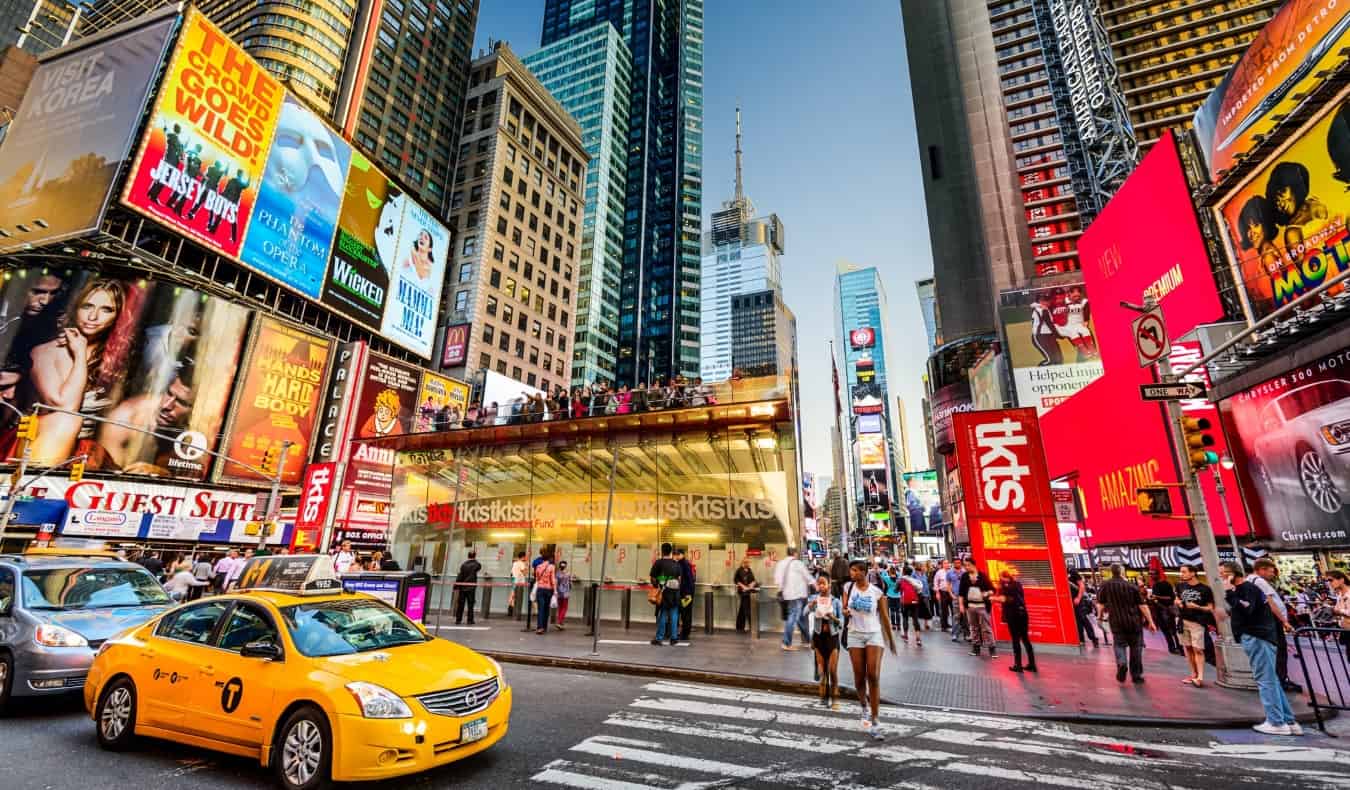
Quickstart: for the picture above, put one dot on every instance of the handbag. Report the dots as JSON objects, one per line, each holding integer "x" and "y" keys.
{"x": 553, "y": 604}
{"x": 654, "y": 596}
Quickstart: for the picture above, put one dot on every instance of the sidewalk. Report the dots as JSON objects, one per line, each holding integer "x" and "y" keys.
{"x": 1071, "y": 685}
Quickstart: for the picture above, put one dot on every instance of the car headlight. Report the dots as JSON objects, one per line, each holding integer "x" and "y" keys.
{"x": 1337, "y": 433}
{"x": 501, "y": 676}
{"x": 378, "y": 702}
{"x": 57, "y": 636}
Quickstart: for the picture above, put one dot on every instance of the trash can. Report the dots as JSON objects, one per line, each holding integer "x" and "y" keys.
{"x": 406, "y": 591}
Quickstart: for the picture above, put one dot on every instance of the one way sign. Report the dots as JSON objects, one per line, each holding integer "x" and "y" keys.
{"x": 1181, "y": 390}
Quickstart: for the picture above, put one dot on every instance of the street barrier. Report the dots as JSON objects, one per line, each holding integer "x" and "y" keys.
{"x": 1326, "y": 669}
{"x": 708, "y": 612}
{"x": 626, "y": 607}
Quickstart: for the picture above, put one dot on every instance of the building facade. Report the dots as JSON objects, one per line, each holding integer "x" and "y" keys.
{"x": 763, "y": 335}
{"x": 516, "y": 214}
{"x": 663, "y": 205}
{"x": 591, "y": 74}
{"x": 926, "y": 290}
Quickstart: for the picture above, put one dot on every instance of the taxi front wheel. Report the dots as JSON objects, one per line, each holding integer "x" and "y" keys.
{"x": 304, "y": 755}
{"x": 115, "y": 715}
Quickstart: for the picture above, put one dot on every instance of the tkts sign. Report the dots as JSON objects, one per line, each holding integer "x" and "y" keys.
{"x": 1011, "y": 514}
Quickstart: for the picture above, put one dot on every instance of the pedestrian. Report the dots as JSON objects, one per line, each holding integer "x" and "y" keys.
{"x": 890, "y": 583}
{"x": 1082, "y": 609}
{"x": 1162, "y": 601}
{"x": 746, "y": 590}
{"x": 924, "y": 574}
{"x": 911, "y": 597}
{"x": 838, "y": 573}
{"x": 202, "y": 572}
{"x": 665, "y": 579}
{"x": 182, "y": 582}
{"x": 954, "y": 574}
{"x": 825, "y": 620}
{"x": 686, "y": 594}
{"x": 1254, "y": 627}
{"x": 237, "y": 568}
{"x": 520, "y": 571}
{"x": 545, "y": 585}
{"x": 345, "y": 558}
{"x": 1339, "y": 584}
{"x": 794, "y": 585}
{"x": 1018, "y": 619}
{"x": 151, "y": 562}
{"x": 466, "y": 584}
{"x": 1265, "y": 574}
{"x": 974, "y": 594}
{"x": 1196, "y": 602}
{"x": 943, "y": 587}
{"x": 1127, "y": 611}
{"x": 563, "y": 593}
{"x": 222, "y": 569}
{"x": 868, "y": 631}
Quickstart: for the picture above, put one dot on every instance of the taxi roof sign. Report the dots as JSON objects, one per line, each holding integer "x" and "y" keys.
{"x": 297, "y": 574}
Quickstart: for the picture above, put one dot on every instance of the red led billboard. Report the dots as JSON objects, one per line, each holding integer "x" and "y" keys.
{"x": 1011, "y": 514}
{"x": 1145, "y": 240}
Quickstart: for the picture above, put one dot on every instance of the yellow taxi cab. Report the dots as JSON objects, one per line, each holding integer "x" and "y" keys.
{"x": 316, "y": 683}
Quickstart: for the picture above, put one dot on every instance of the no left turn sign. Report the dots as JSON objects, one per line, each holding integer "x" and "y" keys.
{"x": 1150, "y": 338}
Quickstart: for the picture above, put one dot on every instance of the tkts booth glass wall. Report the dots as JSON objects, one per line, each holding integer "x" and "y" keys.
{"x": 719, "y": 481}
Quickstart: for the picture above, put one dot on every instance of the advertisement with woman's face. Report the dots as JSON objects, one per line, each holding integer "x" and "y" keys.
{"x": 122, "y": 350}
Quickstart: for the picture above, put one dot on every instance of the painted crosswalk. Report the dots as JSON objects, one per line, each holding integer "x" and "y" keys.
{"x": 684, "y": 736}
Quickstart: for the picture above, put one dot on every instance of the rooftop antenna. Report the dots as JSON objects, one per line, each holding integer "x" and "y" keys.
{"x": 740, "y": 191}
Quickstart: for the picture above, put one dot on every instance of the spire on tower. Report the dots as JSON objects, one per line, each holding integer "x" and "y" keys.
{"x": 740, "y": 188}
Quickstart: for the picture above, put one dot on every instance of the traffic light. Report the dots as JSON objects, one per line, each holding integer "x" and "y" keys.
{"x": 1154, "y": 501}
{"x": 1196, "y": 433}
{"x": 77, "y": 471}
{"x": 269, "y": 461}
{"x": 27, "y": 427}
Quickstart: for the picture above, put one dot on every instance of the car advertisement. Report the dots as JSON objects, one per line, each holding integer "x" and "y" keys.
{"x": 1291, "y": 445}
{"x": 277, "y": 401}
{"x": 362, "y": 263}
{"x": 441, "y": 402}
{"x": 206, "y": 145}
{"x": 134, "y": 352}
{"x": 417, "y": 277}
{"x": 1120, "y": 263}
{"x": 298, "y": 200}
{"x": 1011, "y": 515}
{"x": 1051, "y": 343}
{"x": 1283, "y": 63}
{"x": 1286, "y": 226}
{"x": 72, "y": 133}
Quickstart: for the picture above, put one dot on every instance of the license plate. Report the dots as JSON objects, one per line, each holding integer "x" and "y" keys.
{"x": 475, "y": 730}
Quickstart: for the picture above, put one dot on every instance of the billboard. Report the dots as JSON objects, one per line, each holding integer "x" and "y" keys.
{"x": 1281, "y": 66}
{"x": 146, "y": 354}
{"x": 869, "y": 423}
{"x": 298, "y": 200}
{"x": 923, "y": 501}
{"x": 871, "y": 451}
{"x": 278, "y": 400}
{"x": 947, "y": 401}
{"x": 456, "y": 349}
{"x": 385, "y": 407}
{"x": 418, "y": 274}
{"x": 1290, "y": 436}
{"x": 338, "y": 407}
{"x": 441, "y": 403}
{"x": 206, "y": 142}
{"x": 1051, "y": 343}
{"x": 1286, "y": 225}
{"x": 367, "y": 239}
{"x": 876, "y": 489}
{"x": 316, "y": 499}
{"x": 986, "y": 381}
{"x": 71, "y": 135}
{"x": 862, "y": 337}
{"x": 1011, "y": 514}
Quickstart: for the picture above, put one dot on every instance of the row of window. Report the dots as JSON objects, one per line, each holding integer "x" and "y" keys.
{"x": 530, "y": 379}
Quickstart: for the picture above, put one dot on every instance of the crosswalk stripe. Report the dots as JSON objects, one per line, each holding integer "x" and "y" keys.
{"x": 556, "y": 773}
{"x": 648, "y": 752}
{"x": 730, "y": 732}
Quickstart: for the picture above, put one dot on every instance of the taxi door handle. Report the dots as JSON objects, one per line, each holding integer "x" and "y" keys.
{"x": 208, "y": 670}
{"x": 147, "y": 654}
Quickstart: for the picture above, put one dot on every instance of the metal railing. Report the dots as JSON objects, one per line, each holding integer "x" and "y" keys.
{"x": 1325, "y": 658}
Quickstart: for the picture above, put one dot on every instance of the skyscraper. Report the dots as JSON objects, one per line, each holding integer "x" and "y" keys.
{"x": 663, "y": 209}
{"x": 591, "y": 74}
{"x": 740, "y": 256}
{"x": 927, "y": 293}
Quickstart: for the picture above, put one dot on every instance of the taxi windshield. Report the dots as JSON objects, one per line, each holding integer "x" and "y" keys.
{"x": 90, "y": 588}
{"x": 335, "y": 628}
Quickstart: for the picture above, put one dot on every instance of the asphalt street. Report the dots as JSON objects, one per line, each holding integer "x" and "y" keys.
{"x": 605, "y": 732}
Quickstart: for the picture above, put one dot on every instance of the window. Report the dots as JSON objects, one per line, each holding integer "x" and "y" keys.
{"x": 562, "y": 345}
{"x": 247, "y": 624}
{"x": 485, "y": 361}
{"x": 501, "y": 225}
{"x": 538, "y": 303}
{"x": 193, "y": 623}
{"x": 548, "y": 336}
{"x": 524, "y": 294}
{"x": 510, "y": 288}
{"x": 535, "y": 329}
{"x": 6, "y": 590}
{"x": 530, "y": 379}
{"x": 507, "y": 312}
{"x": 508, "y": 177}
{"x": 520, "y": 350}
{"x": 495, "y": 280}
{"x": 515, "y": 373}
{"x": 470, "y": 244}
{"x": 491, "y": 306}
{"x": 505, "y": 202}
{"x": 504, "y": 341}
{"x": 475, "y": 194}
{"x": 488, "y": 332}
{"x": 461, "y": 300}
{"x": 534, "y": 355}
{"x": 466, "y": 272}
{"x": 523, "y": 322}
{"x": 498, "y": 251}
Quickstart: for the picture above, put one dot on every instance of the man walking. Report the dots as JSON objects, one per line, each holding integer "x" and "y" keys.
{"x": 794, "y": 584}
{"x": 943, "y": 586}
{"x": 466, "y": 584}
{"x": 974, "y": 594}
{"x": 1127, "y": 611}
{"x": 746, "y": 587}
{"x": 1162, "y": 597}
{"x": 1265, "y": 575}
{"x": 1196, "y": 602}
{"x": 1255, "y": 628}
{"x": 686, "y": 594}
{"x": 665, "y": 577}
{"x": 520, "y": 574}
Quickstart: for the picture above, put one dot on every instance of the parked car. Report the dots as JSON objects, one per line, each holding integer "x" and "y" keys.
{"x": 55, "y": 612}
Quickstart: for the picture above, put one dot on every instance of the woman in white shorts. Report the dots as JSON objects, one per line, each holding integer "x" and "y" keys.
{"x": 868, "y": 631}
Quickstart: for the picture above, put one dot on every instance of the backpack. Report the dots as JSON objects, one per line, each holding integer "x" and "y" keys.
{"x": 908, "y": 595}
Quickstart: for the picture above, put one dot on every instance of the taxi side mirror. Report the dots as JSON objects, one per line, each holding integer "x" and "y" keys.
{"x": 267, "y": 650}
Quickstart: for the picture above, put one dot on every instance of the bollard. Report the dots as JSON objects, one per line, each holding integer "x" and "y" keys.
{"x": 588, "y": 607}
{"x": 487, "y": 601}
{"x": 528, "y": 609}
{"x": 708, "y": 612}
{"x": 454, "y": 598}
{"x": 626, "y": 607}
{"x": 754, "y": 615}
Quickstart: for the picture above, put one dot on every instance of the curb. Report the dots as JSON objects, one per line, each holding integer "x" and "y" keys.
{"x": 760, "y": 683}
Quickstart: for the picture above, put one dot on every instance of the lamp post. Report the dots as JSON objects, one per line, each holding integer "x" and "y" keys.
{"x": 1227, "y": 463}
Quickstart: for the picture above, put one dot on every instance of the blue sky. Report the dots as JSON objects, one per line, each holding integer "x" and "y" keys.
{"x": 829, "y": 147}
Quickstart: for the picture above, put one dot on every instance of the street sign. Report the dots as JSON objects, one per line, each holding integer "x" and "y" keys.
{"x": 1180, "y": 390}
{"x": 1150, "y": 338}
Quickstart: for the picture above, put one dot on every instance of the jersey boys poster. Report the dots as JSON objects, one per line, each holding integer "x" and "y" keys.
{"x": 206, "y": 144}
{"x": 297, "y": 207}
